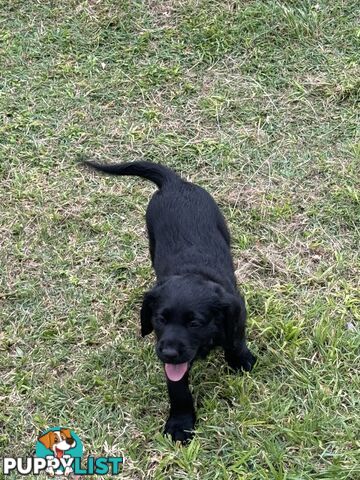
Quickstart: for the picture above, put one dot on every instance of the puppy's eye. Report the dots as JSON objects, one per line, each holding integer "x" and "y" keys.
{"x": 160, "y": 320}
{"x": 194, "y": 324}
{"x": 192, "y": 321}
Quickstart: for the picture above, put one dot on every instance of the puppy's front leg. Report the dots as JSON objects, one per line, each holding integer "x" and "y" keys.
{"x": 181, "y": 421}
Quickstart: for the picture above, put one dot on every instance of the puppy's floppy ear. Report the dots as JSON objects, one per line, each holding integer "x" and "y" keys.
{"x": 66, "y": 432}
{"x": 235, "y": 316}
{"x": 233, "y": 313}
{"x": 47, "y": 440}
{"x": 147, "y": 309}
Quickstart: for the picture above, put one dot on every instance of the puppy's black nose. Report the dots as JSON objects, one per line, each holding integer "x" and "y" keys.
{"x": 169, "y": 353}
{"x": 70, "y": 441}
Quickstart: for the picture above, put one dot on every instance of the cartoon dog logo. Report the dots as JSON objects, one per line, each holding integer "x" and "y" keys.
{"x": 58, "y": 441}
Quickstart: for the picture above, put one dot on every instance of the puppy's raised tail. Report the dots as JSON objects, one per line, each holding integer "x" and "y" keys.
{"x": 159, "y": 174}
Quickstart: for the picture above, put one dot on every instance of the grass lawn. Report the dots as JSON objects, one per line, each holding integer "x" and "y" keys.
{"x": 255, "y": 101}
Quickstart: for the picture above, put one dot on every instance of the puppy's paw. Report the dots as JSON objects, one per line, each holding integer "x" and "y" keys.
{"x": 243, "y": 361}
{"x": 180, "y": 427}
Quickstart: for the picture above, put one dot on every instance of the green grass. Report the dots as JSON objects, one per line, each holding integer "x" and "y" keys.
{"x": 257, "y": 101}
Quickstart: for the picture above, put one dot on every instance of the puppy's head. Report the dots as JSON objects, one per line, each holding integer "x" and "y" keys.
{"x": 58, "y": 441}
{"x": 187, "y": 313}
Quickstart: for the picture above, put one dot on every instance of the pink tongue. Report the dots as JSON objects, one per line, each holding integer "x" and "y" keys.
{"x": 175, "y": 372}
{"x": 59, "y": 453}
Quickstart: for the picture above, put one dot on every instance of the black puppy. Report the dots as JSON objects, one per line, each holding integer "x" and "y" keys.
{"x": 194, "y": 305}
